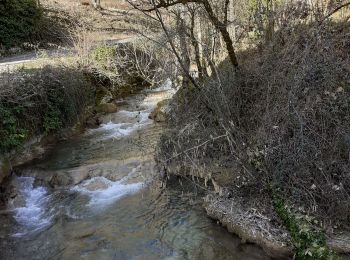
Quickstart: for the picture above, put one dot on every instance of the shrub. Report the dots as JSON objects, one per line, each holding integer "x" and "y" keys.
{"x": 284, "y": 120}
{"x": 40, "y": 101}
{"x": 11, "y": 134}
{"x": 19, "y": 21}
{"x": 104, "y": 56}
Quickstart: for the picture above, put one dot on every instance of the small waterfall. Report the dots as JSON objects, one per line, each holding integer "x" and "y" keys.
{"x": 104, "y": 192}
{"x": 32, "y": 216}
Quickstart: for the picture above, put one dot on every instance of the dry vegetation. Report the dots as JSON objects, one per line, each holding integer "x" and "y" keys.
{"x": 270, "y": 131}
{"x": 282, "y": 119}
{"x": 58, "y": 22}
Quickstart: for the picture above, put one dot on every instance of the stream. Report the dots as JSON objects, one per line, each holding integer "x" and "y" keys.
{"x": 95, "y": 196}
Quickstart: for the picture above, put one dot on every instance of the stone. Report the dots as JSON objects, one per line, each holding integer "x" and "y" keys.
{"x": 159, "y": 113}
{"x": 97, "y": 184}
{"x": 108, "y": 97}
{"x": 86, "y": 232}
{"x": 60, "y": 179}
{"x": 93, "y": 122}
{"x": 107, "y": 108}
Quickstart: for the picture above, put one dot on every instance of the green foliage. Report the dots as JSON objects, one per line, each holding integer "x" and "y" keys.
{"x": 52, "y": 119}
{"x": 11, "y": 135}
{"x": 19, "y": 21}
{"x": 42, "y": 101}
{"x": 309, "y": 244}
{"x": 104, "y": 55}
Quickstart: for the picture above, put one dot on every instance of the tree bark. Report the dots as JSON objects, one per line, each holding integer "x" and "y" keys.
{"x": 181, "y": 30}
{"x": 222, "y": 28}
{"x": 195, "y": 44}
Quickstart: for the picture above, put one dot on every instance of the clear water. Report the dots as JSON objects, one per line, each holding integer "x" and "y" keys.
{"x": 94, "y": 197}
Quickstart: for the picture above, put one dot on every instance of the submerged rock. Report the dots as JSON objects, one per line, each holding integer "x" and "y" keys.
{"x": 58, "y": 180}
{"x": 93, "y": 122}
{"x": 97, "y": 184}
{"x": 86, "y": 232}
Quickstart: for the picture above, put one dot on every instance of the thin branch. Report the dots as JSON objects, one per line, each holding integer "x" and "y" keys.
{"x": 334, "y": 11}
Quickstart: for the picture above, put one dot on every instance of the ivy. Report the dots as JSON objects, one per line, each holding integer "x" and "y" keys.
{"x": 11, "y": 135}
{"x": 309, "y": 244}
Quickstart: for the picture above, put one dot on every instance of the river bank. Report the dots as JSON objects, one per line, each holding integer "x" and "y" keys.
{"x": 270, "y": 148}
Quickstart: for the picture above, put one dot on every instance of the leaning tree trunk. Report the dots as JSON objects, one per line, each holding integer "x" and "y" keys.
{"x": 222, "y": 28}
{"x": 181, "y": 28}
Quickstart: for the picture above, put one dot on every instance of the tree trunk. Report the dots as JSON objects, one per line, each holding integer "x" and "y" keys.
{"x": 270, "y": 27}
{"x": 195, "y": 44}
{"x": 181, "y": 28}
{"x": 222, "y": 28}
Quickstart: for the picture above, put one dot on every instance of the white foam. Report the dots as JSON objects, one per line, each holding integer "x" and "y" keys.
{"x": 117, "y": 131}
{"x": 141, "y": 116}
{"x": 131, "y": 121}
{"x": 120, "y": 130}
{"x": 166, "y": 86}
{"x": 106, "y": 192}
{"x": 32, "y": 216}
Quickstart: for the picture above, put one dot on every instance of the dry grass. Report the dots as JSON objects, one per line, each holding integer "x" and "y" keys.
{"x": 114, "y": 21}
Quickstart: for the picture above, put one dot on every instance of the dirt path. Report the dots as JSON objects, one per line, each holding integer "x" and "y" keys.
{"x": 10, "y": 63}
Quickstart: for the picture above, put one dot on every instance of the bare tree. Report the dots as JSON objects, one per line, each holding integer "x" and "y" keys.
{"x": 220, "y": 24}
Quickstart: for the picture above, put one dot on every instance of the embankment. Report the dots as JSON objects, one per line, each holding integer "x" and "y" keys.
{"x": 271, "y": 137}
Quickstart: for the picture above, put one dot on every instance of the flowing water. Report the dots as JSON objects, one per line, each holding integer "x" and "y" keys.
{"x": 92, "y": 197}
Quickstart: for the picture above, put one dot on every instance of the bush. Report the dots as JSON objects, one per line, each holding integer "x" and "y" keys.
{"x": 124, "y": 69}
{"x": 284, "y": 121}
{"x": 19, "y": 21}
{"x": 104, "y": 56}
{"x": 40, "y": 101}
{"x": 11, "y": 135}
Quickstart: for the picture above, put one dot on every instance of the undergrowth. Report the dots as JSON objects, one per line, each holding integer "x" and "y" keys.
{"x": 282, "y": 117}
{"x": 309, "y": 243}
{"x": 41, "y": 101}
{"x": 19, "y": 21}
{"x": 11, "y": 134}
{"x": 125, "y": 68}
